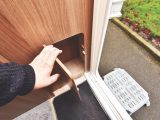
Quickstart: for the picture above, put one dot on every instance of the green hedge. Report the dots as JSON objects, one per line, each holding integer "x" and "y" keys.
{"x": 145, "y": 12}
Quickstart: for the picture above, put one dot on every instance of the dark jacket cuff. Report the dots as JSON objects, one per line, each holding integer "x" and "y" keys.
{"x": 29, "y": 81}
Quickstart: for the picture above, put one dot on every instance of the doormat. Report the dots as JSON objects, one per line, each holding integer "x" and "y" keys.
{"x": 68, "y": 108}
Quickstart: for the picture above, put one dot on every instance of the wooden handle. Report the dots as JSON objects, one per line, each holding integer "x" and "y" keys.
{"x": 63, "y": 67}
{"x": 74, "y": 87}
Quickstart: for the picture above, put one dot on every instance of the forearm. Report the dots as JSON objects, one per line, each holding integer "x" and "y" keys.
{"x": 18, "y": 79}
{"x": 15, "y": 80}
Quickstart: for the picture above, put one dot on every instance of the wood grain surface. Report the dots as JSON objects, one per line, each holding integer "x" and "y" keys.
{"x": 27, "y": 24}
{"x": 3, "y": 59}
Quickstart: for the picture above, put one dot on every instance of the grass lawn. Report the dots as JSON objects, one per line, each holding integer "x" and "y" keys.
{"x": 145, "y": 12}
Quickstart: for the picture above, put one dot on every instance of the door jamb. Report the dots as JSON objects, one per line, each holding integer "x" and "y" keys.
{"x": 107, "y": 100}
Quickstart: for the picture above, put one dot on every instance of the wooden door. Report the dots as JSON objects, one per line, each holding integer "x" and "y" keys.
{"x": 25, "y": 25}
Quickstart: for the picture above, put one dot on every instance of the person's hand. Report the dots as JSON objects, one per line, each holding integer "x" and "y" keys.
{"x": 43, "y": 65}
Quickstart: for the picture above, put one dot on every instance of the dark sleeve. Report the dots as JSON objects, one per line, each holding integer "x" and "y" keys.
{"x": 15, "y": 80}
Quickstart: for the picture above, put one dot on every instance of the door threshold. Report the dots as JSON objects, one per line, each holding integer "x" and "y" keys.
{"x": 106, "y": 99}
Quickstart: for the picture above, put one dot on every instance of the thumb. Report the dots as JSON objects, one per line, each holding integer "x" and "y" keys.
{"x": 53, "y": 78}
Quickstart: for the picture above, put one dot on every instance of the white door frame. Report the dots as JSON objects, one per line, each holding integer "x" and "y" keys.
{"x": 107, "y": 100}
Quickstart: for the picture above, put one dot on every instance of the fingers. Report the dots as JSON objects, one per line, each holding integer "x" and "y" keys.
{"x": 45, "y": 49}
{"x": 53, "y": 79}
{"x": 53, "y": 55}
{"x": 49, "y": 54}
